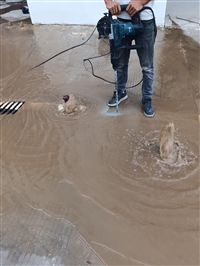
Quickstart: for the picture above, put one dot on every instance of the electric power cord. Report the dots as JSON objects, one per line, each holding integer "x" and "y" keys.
{"x": 86, "y": 59}
{"x": 111, "y": 82}
{"x": 75, "y": 46}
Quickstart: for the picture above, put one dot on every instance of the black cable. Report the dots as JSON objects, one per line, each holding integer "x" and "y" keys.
{"x": 111, "y": 82}
{"x": 134, "y": 85}
{"x": 65, "y": 50}
{"x": 87, "y": 59}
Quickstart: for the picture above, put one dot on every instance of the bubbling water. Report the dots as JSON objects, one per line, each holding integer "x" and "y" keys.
{"x": 141, "y": 161}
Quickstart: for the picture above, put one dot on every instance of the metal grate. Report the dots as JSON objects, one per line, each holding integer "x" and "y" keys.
{"x": 10, "y": 107}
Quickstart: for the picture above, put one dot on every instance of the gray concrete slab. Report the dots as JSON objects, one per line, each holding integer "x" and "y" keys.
{"x": 13, "y": 1}
{"x": 2, "y": 6}
{"x": 186, "y": 15}
{"x": 32, "y": 237}
{"x": 15, "y": 15}
{"x": 11, "y": 11}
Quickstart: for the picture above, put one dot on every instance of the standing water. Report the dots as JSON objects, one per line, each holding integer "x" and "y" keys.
{"x": 91, "y": 189}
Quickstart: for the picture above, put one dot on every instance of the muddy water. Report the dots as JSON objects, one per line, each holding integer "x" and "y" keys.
{"x": 100, "y": 170}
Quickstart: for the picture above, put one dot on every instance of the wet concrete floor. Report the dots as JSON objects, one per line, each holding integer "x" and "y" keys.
{"x": 91, "y": 189}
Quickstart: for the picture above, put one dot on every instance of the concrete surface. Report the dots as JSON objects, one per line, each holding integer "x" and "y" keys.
{"x": 2, "y": 6}
{"x": 14, "y": 1}
{"x": 15, "y": 15}
{"x": 36, "y": 238}
{"x": 177, "y": 14}
{"x": 31, "y": 236}
{"x": 93, "y": 170}
{"x": 10, "y": 11}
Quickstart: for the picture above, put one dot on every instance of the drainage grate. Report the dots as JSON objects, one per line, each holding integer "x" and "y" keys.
{"x": 10, "y": 107}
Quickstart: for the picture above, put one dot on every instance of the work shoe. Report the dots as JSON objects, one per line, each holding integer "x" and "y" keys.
{"x": 121, "y": 97}
{"x": 148, "y": 108}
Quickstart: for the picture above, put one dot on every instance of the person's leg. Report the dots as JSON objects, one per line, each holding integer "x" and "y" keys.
{"x": 146, "y": 58}
{"x": 122, "y": 73}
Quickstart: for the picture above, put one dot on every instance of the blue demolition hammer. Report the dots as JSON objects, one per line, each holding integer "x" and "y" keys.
{"x": 118, "y": 31}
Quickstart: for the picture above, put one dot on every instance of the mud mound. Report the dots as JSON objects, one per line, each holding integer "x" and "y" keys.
{"x": 77, "y": 106}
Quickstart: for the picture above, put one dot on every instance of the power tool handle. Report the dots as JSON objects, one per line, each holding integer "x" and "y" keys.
{"x": 123, "y": 7}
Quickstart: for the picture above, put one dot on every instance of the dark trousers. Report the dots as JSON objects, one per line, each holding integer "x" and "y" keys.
{"x": 146, "y": 58}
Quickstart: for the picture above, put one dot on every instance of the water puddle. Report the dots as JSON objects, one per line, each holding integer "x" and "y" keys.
{"x": 99, "y": 171}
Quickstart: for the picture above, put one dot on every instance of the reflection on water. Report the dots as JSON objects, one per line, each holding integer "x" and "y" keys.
{"x": 101, "y": 170}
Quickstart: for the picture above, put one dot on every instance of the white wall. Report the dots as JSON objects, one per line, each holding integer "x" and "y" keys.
{"x": 78, "y": 11}
{"x": 160, "y": 9}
